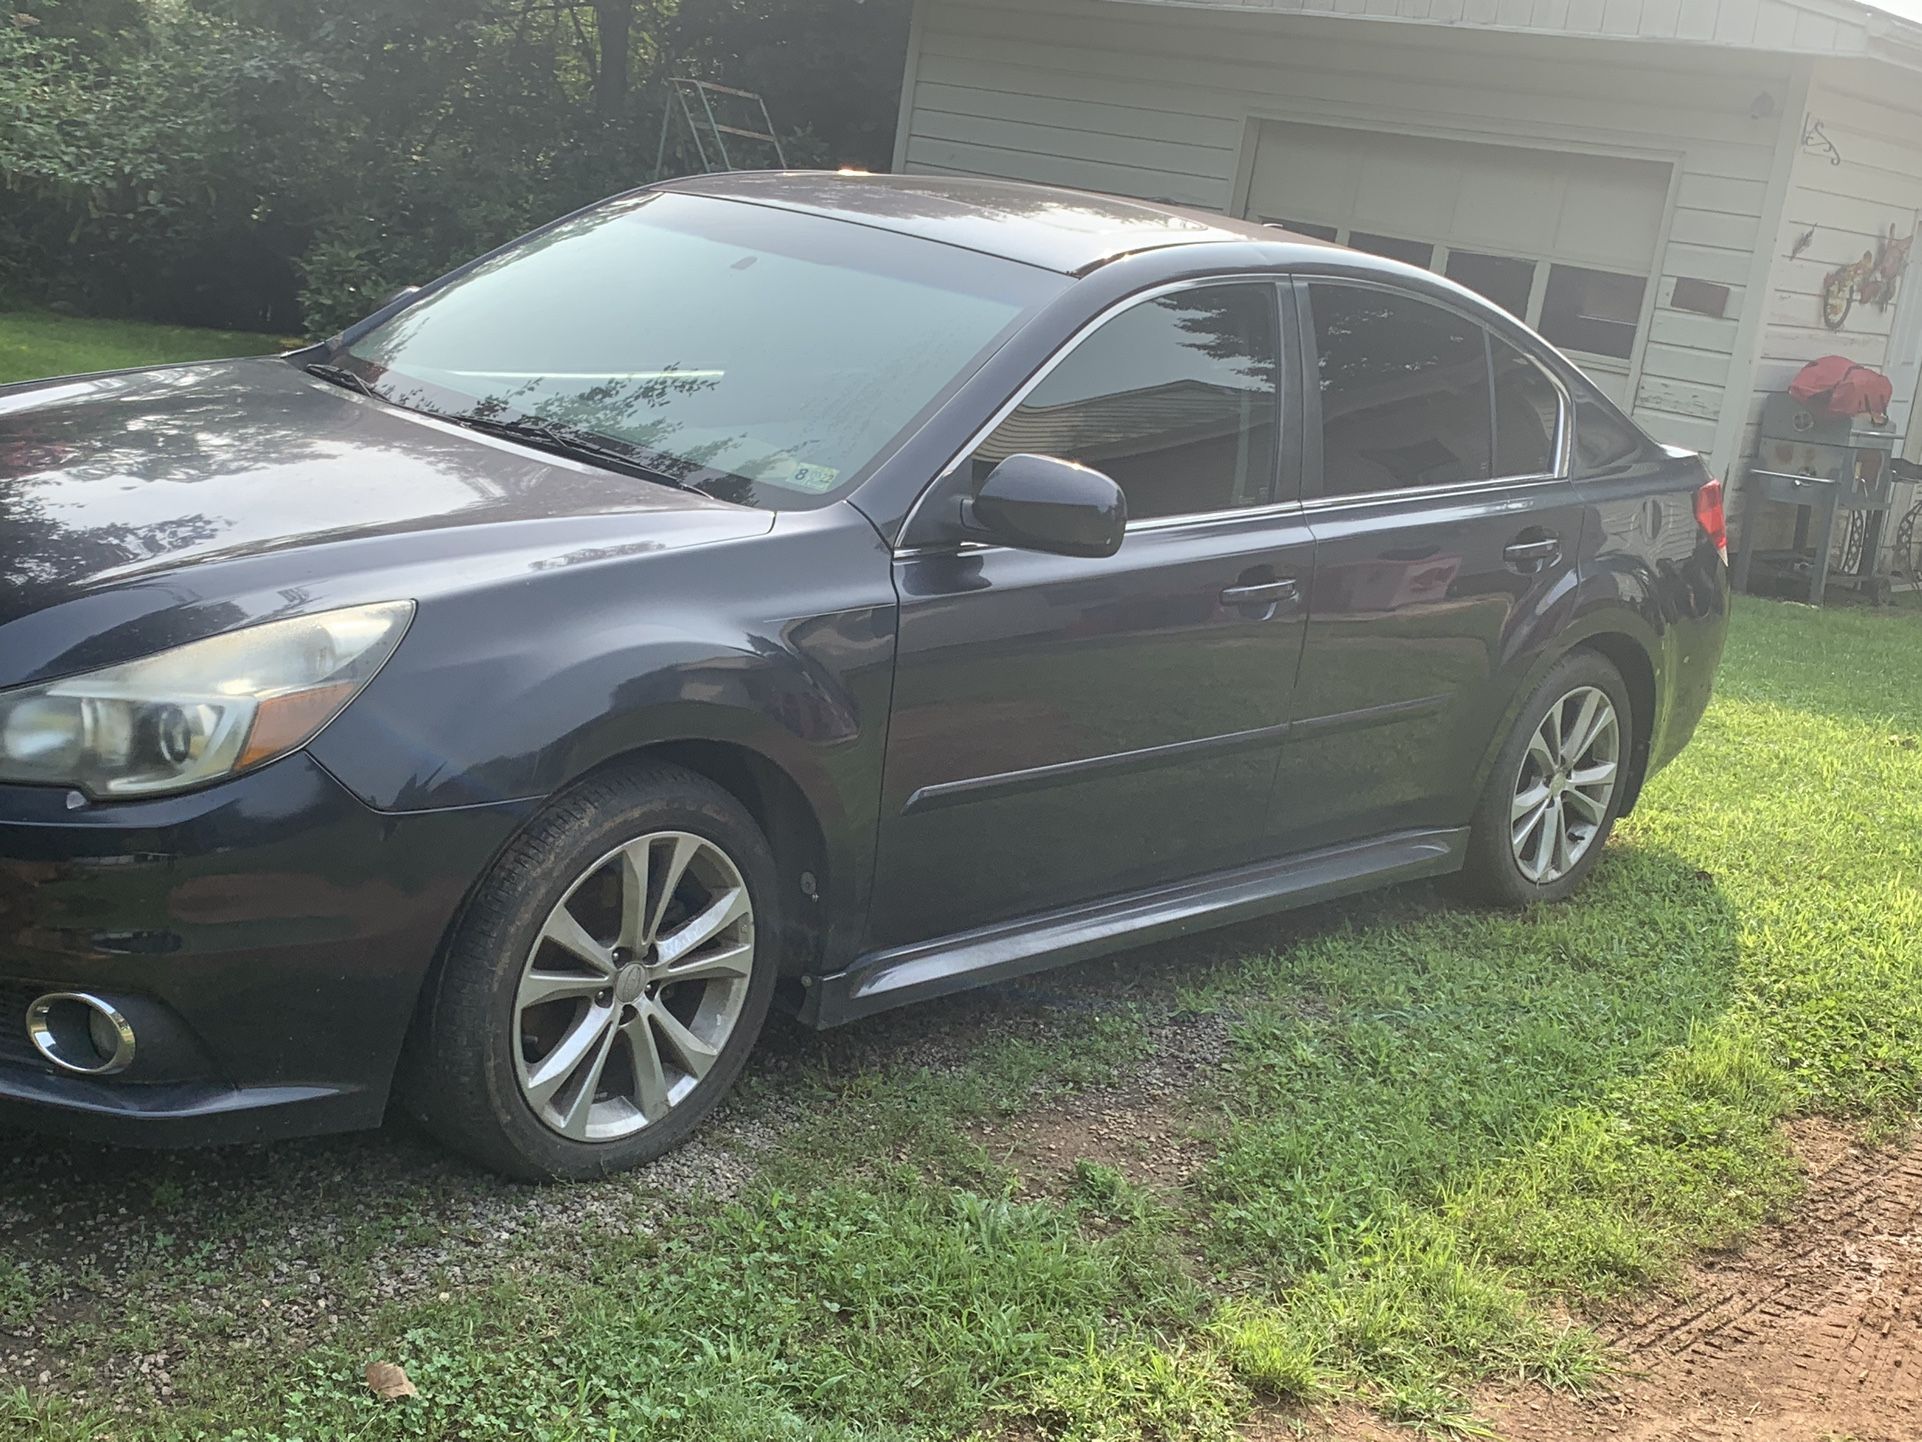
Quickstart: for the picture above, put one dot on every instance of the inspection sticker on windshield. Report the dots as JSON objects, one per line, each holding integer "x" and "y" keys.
{"x": 815, "y": 479}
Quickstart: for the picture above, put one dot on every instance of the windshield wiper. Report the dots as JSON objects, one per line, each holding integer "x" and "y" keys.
{"x": 341, "y": 376}
{"x": 569, "y": 442}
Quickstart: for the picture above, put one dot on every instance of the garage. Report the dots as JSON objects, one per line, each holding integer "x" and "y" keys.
{"x": 1567, "y": 242}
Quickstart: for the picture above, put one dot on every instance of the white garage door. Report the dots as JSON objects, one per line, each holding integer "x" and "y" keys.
{"x": 1566, "y": 242}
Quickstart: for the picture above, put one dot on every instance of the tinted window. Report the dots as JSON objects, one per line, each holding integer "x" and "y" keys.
{"x": 1592, "y": 310}
{"x": 1528, "y": 412}
{"x": 1604, "y": 442}
{"x": 1404, "y": 392}
{"x": 764, "y": 356}
{"x": 1177, "y": 400}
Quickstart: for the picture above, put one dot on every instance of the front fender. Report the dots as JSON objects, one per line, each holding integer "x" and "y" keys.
{"x": 781, "y": 646}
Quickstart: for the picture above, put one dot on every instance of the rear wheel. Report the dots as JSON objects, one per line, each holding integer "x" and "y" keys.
{"x": 1556, "y": 787}
{"x": 607, "y": 983}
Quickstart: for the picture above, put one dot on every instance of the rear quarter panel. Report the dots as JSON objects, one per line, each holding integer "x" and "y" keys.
{"x": 1651, "y": 572}
{"x": 1647, "y": 584}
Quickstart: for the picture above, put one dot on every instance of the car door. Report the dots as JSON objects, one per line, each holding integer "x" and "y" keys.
{"x": 1446, "y": 536}
{"x": 1065, "y": 729}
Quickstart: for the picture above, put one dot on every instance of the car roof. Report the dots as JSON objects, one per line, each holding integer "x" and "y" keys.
{"x": 1069, "y": 231}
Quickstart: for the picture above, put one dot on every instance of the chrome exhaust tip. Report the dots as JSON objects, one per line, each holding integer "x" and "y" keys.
{"x": 80, "y": 1034}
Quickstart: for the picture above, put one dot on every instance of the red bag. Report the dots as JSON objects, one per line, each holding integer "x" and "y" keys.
{"x": 1853, "y": 390}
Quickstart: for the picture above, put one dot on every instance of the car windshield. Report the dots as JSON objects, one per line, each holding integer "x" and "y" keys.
{"x": 761, "y": 355}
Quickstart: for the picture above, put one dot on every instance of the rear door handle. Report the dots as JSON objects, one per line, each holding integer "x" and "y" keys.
{"x": 1543, "y": 552}
{"x": 1262, "y": 593}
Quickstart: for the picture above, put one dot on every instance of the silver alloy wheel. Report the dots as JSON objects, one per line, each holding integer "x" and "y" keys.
{"x": 633, "y": 987}
{"x": 1567, "y": 780}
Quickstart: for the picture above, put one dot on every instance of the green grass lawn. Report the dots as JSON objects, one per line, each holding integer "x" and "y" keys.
{"x": 1437, "y": 1136}
{"x": 39, "y": 343}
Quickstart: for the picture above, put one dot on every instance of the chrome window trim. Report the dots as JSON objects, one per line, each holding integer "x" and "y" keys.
{"x": 1411, "y": 493}
{"x": 1564, "y": 421}
{"x": 1273, "y": 279}
{"x": 1193, "y": 520}
{"x": 1196, "y": 519}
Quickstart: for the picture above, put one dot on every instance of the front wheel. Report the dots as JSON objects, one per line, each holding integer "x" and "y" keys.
{"x": 1556, "y": 787}
{"x": 607, "y": 982}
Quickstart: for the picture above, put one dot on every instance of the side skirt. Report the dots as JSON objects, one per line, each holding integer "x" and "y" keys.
{"x": 881, "y": 980}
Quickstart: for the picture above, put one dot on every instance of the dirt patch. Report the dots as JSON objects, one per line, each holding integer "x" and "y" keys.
{"x": 1147, "y": 1142}
{"x": 1813, "y": 1332}
{"x": 1137, "y": 1125}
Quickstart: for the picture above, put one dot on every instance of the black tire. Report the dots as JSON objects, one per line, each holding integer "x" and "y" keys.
{"x": 463, "y": 1078}
{"x": 1493, "y": 873}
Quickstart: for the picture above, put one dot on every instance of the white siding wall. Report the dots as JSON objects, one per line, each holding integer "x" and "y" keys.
{"x": 1156, "y": 101}
{"x": 1873, "y": 114}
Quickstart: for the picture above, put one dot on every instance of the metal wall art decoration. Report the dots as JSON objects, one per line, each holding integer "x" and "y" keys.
{"x": 1874, "y": 280}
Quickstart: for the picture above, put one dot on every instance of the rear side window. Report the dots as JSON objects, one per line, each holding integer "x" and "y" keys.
{"x": 1528, "y": 414}
{"x": 1177, "y": 400}
{"x": 1604, "y": 442}
{"x": 1405, "y": 398}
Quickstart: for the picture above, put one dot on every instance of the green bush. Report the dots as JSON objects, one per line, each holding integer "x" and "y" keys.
{"x": 247, "y": 163}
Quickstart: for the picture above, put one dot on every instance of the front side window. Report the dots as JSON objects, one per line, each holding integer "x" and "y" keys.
{"x": 1177, "y": 400}
{"x": 763, "y": 356}
{"x": 1404, "y": 392}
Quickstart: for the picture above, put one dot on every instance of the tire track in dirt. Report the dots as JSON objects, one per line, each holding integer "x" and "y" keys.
{"x": 1814, "y": 1331}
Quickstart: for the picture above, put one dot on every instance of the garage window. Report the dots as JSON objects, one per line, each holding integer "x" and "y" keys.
{"x": 1392, "y": 247}
{"x": 1497, "y": 218}
{"x": 1308, "y": 227}
{"x": 1503, "y": 279}
{"x": 1404, "y": 392}
{"x": 1592, "y": 310}
{"x": 1594, "y": 313}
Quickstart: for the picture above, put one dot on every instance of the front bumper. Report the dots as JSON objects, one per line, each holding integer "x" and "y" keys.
{"x": 268, "y": 937}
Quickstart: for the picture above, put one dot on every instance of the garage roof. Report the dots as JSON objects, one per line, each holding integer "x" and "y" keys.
{"x": 1890, "y": 30}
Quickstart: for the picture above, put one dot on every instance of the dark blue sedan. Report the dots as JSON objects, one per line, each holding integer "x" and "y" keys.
{"x": 824, "y": 589}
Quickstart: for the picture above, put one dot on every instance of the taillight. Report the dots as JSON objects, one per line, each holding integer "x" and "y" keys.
{"x": 1712, "y": 516}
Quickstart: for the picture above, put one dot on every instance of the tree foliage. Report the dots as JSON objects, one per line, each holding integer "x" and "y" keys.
{"x": 256, "y": 164}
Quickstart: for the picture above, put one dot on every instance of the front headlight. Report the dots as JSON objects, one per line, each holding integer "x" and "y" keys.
{"x": 198, "y": 712}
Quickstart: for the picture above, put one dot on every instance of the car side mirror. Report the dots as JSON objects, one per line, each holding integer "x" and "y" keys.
{"x": 1038, "y": 503}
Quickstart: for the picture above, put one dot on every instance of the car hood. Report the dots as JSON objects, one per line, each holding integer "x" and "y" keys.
{"x": 133, "y": 493}
{"x": 105, "y": 478}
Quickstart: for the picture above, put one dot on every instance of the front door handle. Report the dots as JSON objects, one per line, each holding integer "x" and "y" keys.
{"x": 1261, "y": 593}
{"x": 1535, "y": 554}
